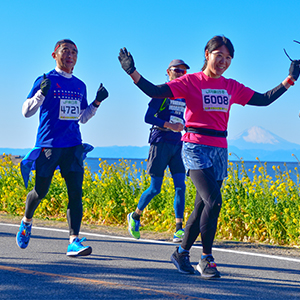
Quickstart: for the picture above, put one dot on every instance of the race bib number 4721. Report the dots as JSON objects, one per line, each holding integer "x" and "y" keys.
{"x": 69, "y": 109}
{"x": 215, "y": 100}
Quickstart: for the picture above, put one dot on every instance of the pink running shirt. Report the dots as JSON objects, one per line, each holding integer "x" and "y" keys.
{"x": 208, "y": 102}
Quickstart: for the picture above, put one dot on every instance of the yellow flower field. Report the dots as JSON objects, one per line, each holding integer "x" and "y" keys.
{"x": 263, "y": 209}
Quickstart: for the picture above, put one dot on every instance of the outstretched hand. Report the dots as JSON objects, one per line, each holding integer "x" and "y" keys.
{"x": 102, "y": 93}
{"x": 295, "y": 69}
{"x": 126, "y": 61}
{"x": 45, "y": 85}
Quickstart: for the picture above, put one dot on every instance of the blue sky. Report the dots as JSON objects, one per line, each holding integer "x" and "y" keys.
{"x": 155, "y": 32}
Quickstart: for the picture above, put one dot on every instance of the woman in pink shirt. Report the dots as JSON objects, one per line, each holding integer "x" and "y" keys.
{"x": 209, "y": 97}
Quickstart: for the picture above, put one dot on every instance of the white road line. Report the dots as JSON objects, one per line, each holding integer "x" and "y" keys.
{"x": 160, "y": 242}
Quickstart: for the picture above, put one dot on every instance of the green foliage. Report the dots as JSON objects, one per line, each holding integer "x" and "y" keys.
{"x": 263, "y": 209}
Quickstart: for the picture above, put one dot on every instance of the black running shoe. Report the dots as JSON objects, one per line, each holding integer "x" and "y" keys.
{"x": 208, "y": 268}
{"x": 182, "y": 262}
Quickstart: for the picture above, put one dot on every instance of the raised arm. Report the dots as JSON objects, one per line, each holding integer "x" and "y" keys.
{"x": 31, "y": 105}
{"x": 151, "y": 90}
{"x": 270, "y": 96}
{"x": 90, "y": 111}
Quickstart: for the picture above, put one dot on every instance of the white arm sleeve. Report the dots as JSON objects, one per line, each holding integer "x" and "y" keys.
{"x": 87, "y": 113}
{"x": 31, "y": 105}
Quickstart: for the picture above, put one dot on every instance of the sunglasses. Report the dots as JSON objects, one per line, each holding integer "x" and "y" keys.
{"x": 177, "y": 70}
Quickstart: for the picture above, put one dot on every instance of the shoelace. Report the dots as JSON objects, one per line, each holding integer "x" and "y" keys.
{"x": 186, "y": 260}
{"x": 136, "y": 225}
{"x": 25, "y": 231}
{"x": 82, "y": 240}
{"x": 211, "y": 262}
{"x": 77, "y": 241}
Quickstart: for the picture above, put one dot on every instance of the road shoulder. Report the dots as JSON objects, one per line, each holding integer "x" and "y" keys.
{"x": 162, "y": 236}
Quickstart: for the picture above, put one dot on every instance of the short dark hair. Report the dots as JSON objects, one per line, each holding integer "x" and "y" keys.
{"x": 57, "y": 45}
{"x": 215, "y": 43}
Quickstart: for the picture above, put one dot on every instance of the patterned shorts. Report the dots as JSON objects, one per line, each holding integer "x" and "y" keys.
{"x": 197, "y": 157}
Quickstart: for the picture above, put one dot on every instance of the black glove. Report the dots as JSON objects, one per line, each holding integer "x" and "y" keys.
{"x": 45, "y": 85}
{"x": 126, "y": 61}
{"x": 295, "y": 69}
{"x": 102, "y": 93}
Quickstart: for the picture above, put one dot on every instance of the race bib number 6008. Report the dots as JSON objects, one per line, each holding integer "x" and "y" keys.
{"x": 215, "y": 100}
{"x": 69, "y": 109}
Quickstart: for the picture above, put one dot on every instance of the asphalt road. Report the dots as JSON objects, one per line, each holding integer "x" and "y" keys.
{"x": 123, "y": 268}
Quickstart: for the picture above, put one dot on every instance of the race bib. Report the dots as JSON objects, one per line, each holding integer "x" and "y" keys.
{"x": 177, "y": 106}
{"x": 174, "y": 119}
{"x": 215, "y": 100}
{"x": 69, "y": 109}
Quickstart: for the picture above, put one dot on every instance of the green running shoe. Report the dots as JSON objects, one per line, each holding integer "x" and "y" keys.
{"x": 178, "y": 236}
{"x": 133, "y": 226}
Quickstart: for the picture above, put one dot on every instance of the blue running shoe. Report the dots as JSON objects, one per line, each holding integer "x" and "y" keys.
{"x": 133, "y": 226}
{"x": 178, "y": 236}
{"x": 23, "y": 235}
{"x": 77, "y": 249}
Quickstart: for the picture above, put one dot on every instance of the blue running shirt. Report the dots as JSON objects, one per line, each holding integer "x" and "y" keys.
{"x": 59, "y": 113}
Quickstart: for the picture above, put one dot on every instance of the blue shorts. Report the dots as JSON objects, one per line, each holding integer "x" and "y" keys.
{"x": 197, "y": 157}
{"x": 162, "y": 155}
{"x": 68, "y": 159}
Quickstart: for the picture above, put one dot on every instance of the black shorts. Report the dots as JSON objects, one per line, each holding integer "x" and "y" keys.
{"x": 68, "y": 159}
{"x": 162, "y": 155}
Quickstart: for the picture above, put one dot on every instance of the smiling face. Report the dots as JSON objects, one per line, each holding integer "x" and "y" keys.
{"x": 218, "y": 61}
{"x": 66, "y": 57}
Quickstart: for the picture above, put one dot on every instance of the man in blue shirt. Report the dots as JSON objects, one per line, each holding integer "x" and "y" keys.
{"x": 61, "y": 99}
{"x": 167, "y": 119}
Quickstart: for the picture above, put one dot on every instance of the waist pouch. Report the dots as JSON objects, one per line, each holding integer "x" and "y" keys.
{"x": 206, "y": 131}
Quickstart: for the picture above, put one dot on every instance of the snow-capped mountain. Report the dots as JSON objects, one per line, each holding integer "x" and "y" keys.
{"x": 259, "y": 142}
{"x": 259, "y": 138}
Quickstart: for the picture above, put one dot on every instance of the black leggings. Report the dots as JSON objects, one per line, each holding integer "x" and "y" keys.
{"x": 204, "y": 217}
{"x": 74, "y": 185}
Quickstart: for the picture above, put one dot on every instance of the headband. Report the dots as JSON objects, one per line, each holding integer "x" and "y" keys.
{"x": 58, "y": 44}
